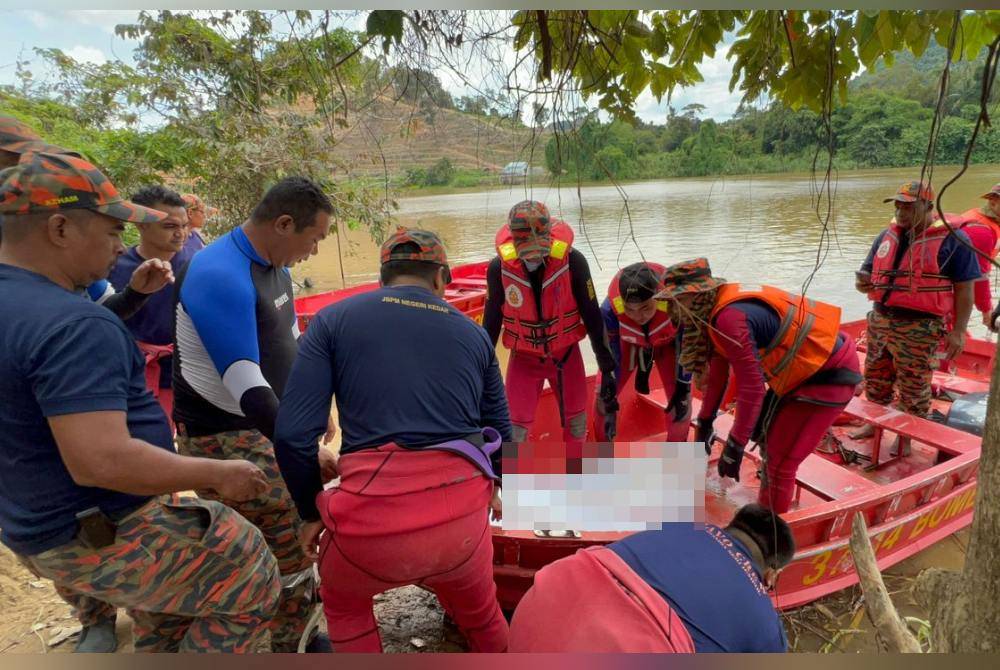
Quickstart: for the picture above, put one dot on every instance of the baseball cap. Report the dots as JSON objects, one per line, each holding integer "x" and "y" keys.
{"x": 992, "y": 193}
{"x": 45, "y": 182}
{"x": 429, "y": 247}
{"x": 912, "y": 191}
{"x": 693, "y": 276}
{"x": 530, "y": 228}
{"x": 529, "y": 215}
{"x": 638, "y": 283}
{"x": 17, "y": 138}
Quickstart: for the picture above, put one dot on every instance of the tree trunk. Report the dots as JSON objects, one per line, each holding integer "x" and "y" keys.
{"x": 878, "y": 604}
{"x": 965, "y": 607}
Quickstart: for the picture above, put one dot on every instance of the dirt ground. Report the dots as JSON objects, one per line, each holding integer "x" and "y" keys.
{"x": 412, "y": 620}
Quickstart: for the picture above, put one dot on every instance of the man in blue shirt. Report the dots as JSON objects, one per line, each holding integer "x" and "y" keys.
{"x": 235, "y": 340}
{"x": 86, "y": 455}
{"x": 163, "y": 241}
{"x": 687, "y": 587}
{"x": 421, "y": 405}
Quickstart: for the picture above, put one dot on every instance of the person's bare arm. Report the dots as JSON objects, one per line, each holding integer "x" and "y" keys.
{"x": 98, "y": 451}
{"x": 964, "y": 299}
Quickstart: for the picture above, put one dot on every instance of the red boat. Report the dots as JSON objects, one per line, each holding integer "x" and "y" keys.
{"x": 908, "y": 502}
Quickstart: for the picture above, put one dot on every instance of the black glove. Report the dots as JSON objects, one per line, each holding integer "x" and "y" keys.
{"x": 704, "y": 432}
{"x": 610, "y": 426}
{"x": 609, "y": 392}
{"x": 680, "y": 401}
{"x": 732, "y": 456}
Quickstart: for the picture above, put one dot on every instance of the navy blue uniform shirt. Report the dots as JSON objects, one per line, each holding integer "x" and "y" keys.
{"x": 60, "y": 354}
{"x": 154, "y": 321}
{"x": 404, "y": 367}
{"x": 708, "y": 579}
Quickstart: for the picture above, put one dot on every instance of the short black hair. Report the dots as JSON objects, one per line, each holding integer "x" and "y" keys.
{"x": 638, "y": 283}
{"x": 769, "y": 531}
{"x": 157, "y": 194}
{"x": 298, "y": 197}
{"x": 424, "y": 270}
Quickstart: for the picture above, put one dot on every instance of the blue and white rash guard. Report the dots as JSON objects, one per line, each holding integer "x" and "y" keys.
{"x": 235, "y": 337}
{"x": 100, "y": 291}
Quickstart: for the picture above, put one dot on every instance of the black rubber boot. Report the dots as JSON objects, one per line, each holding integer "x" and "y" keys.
{"x": 320, "y": 644}
{"x": 97, "y": 639}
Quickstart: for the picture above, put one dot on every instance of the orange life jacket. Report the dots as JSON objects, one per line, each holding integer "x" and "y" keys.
{"x": 917, "y": 283}
{"x": 975, "y": 217}
{"x": 660, "y": 329}
{"x": 805, "y": 339}
{"x": 554, "y": 325}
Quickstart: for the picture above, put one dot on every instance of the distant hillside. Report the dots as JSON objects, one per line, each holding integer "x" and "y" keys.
{"x": 408, "y": 138}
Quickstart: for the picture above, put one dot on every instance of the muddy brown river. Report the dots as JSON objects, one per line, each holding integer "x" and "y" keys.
{"x": 760, "y": 229}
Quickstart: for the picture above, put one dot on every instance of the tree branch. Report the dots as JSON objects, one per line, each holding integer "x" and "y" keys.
{"x": 880, "y": 609}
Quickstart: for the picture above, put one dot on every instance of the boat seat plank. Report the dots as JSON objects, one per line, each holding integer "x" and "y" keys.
{"x": 829, "y": 480}
{"x": 947, "y": 382}
{"x": 944, "y": 438}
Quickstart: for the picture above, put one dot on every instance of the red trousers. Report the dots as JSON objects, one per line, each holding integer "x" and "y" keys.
{"x": 526, "y": 374}
{"x": 665, "y": 360}
{"x": 402, "y": 517}
{"x": 799, "y": 424}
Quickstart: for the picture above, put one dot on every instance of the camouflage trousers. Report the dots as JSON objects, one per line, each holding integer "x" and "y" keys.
{"x": 275, "y": 515}
{"x": 192, "y": 574}
{"x": 89, "y": 611}
{"x": 901, "y": 354}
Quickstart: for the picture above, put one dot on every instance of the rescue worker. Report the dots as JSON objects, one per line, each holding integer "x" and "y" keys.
{"x": 86, "y": 454}
{"x": 422, "y": 413}
{"x": 687, "y": 588}
{"x": 642, "y": 335}
{"x": 542, "y": 296}
{"x": 916, "y": 274}
{"x": 794, "y": 370}
{"x": 982, "y": 225}
{"x": 235, "y": 338}
{"x": 16, "y": 140}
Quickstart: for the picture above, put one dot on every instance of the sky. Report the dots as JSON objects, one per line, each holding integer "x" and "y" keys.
{"x": 88, "y": 35}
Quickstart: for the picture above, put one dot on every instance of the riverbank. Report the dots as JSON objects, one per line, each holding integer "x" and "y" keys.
{"x": 571, "y": 183}
{"x": 411, "y": 620}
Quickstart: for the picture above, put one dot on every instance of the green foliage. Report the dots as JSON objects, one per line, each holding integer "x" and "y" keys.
{"x": 875, "y": 129}
{"x": 802, "y": 59}
{"x": 131, "y": 158}
{"x": 441, "y": 173}
{"x": 242, "y": 99}
{"x": 471, "y": 178}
